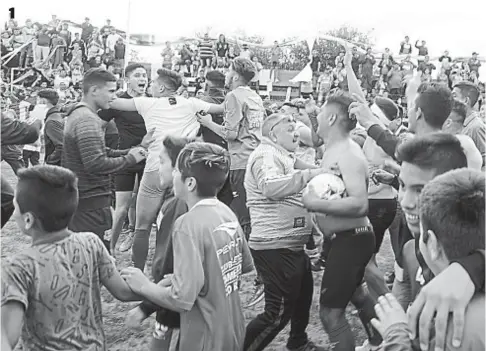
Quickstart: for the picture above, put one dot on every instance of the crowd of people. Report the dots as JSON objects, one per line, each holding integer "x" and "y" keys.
{"x": 233, "y": 178}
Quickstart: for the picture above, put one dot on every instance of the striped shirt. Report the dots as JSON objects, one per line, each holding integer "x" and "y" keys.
{"x": 274, "y": 193}
{"x": 206, "y": 49}
{"x": 86, "y": 155}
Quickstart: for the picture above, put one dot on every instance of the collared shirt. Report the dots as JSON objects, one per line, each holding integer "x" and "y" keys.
{"x": 475, "y": 128}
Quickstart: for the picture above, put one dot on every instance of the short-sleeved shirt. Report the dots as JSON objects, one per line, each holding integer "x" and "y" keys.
{"x": 210, "y": 255}
{"x": 244, "y": 113}
{"x": 59, "y": 285}
{"x": 175, "y": 116}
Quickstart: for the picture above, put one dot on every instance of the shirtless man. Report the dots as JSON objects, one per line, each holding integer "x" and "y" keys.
{"x": 353, "y": 241}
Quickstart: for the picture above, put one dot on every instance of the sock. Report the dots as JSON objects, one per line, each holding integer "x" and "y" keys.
{"x": 140, "y": 247}
{"x": 341, "y": 337}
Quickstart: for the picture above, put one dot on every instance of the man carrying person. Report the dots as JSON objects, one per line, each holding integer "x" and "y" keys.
{"x": 165, "y": 113}
{"x": 353, "y": 242}
{"x": 131, "y": 131}
{"x": 86, "y": 155}
{"x": 242, "y": 129}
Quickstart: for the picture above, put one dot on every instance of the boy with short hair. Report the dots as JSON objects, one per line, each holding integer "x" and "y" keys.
{"x": 452, "y": 209}
{"x": 53, "y": 287}
{"x": 210, "y": 255}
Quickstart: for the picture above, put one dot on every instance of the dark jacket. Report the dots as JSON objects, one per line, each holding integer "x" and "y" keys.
{"x": 53, "y": 136}
{"x": 163, "y": 262}
{"x": 214, "y": 96}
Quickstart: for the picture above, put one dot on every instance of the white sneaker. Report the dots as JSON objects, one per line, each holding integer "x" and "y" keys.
{"x": 127, "y": 243}
{"x": 367, "y": 347}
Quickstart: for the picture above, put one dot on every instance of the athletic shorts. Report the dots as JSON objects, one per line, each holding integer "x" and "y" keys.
{"x": 150, "y": 185}
{"x": 381, "y": 213}
{"x": 350, "y": 252}
{"x": 126, "y": 181}
{"x": 94, "y": 221}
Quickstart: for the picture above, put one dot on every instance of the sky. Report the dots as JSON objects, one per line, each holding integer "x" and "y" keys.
{"x": 455, "y": 26}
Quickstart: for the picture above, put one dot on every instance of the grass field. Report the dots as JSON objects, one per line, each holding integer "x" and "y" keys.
{"x": 119, "y": 337}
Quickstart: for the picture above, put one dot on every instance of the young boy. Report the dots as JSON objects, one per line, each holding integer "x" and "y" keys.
{"x": 210, "y": 255}
{"x": 53, "y": 287}
{"x": 452, "y": 216}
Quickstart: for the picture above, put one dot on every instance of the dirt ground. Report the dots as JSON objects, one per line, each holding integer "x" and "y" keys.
{"x": 119, "y": 337}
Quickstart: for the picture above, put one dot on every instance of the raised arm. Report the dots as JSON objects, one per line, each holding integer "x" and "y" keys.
{"x": 123, "y": 105}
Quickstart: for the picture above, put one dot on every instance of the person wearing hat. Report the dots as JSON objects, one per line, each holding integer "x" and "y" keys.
{"x": 474, "y": 63}
{"x": 280, "y": 229}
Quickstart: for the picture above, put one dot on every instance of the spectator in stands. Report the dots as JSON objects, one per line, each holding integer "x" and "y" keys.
{"x": 276, "y": 54}
{"x": 422, "y": 48}
{"x": 66, "y": 34}
{"x": 111, "y": 40}
{"x": 58, "y": 47}
{"x": 339, "y": 58}
{"x": 120, "y": 53}
{"x": 405, "y": 47}
{"x": 54, "y": 23}
{"x": 355, "y": 62}
{"x": 105, "y": 32}
{"x": 86, "y": 30}
{"x": 395, "y": 78}
{"x": 167, "y": 56}
{"x": 206, "y": 51}
{"x": 446, "y": 62}
{"x": 245, "y": 52}
{"x": 426, "y": 64}
{"x": 201, "y": 81}
{"x": 408, "y": 66}
{"x": 186, "y": 57}
{"x": 255, "y": 82}
{"x": 81, "y": 43}
{"x": 221, "y": 48}
{"x": 385, "y": 65}
{"x": 27, "y": 53}
{"x": 474, "y": 63}
{"x": 367, "y": 70}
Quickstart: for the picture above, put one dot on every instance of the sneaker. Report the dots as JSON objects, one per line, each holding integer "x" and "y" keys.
{"x": 127, "y": 230}
{"x": 310, "y": 346}
{"x": 314, "y": 253}
{"x": 318, "y": 265}
{"x": 257, "y": 296}
{"x": 367, "y": 347}
{"x": 127, "y": 243}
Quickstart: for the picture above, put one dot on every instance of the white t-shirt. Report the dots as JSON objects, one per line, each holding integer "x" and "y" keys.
{"x": 38, "y": 113}
{"x": 111, "y": 41}
{"x": 175, "y": 116}
{"x": 474, "y": 159}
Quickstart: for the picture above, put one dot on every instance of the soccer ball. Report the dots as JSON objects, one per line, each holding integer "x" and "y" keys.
{"x": 327, "y": 186}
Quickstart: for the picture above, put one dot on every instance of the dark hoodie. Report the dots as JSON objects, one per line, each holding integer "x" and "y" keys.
{"x": 53, "y": 136}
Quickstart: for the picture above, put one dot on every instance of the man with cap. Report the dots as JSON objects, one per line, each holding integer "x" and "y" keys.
{"x": 281, "y": 227}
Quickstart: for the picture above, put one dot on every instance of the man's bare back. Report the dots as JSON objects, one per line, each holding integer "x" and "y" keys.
{"x": 346, "y": 160}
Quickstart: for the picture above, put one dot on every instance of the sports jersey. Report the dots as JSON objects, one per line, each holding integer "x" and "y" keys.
{"x": 175, "y": 116}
